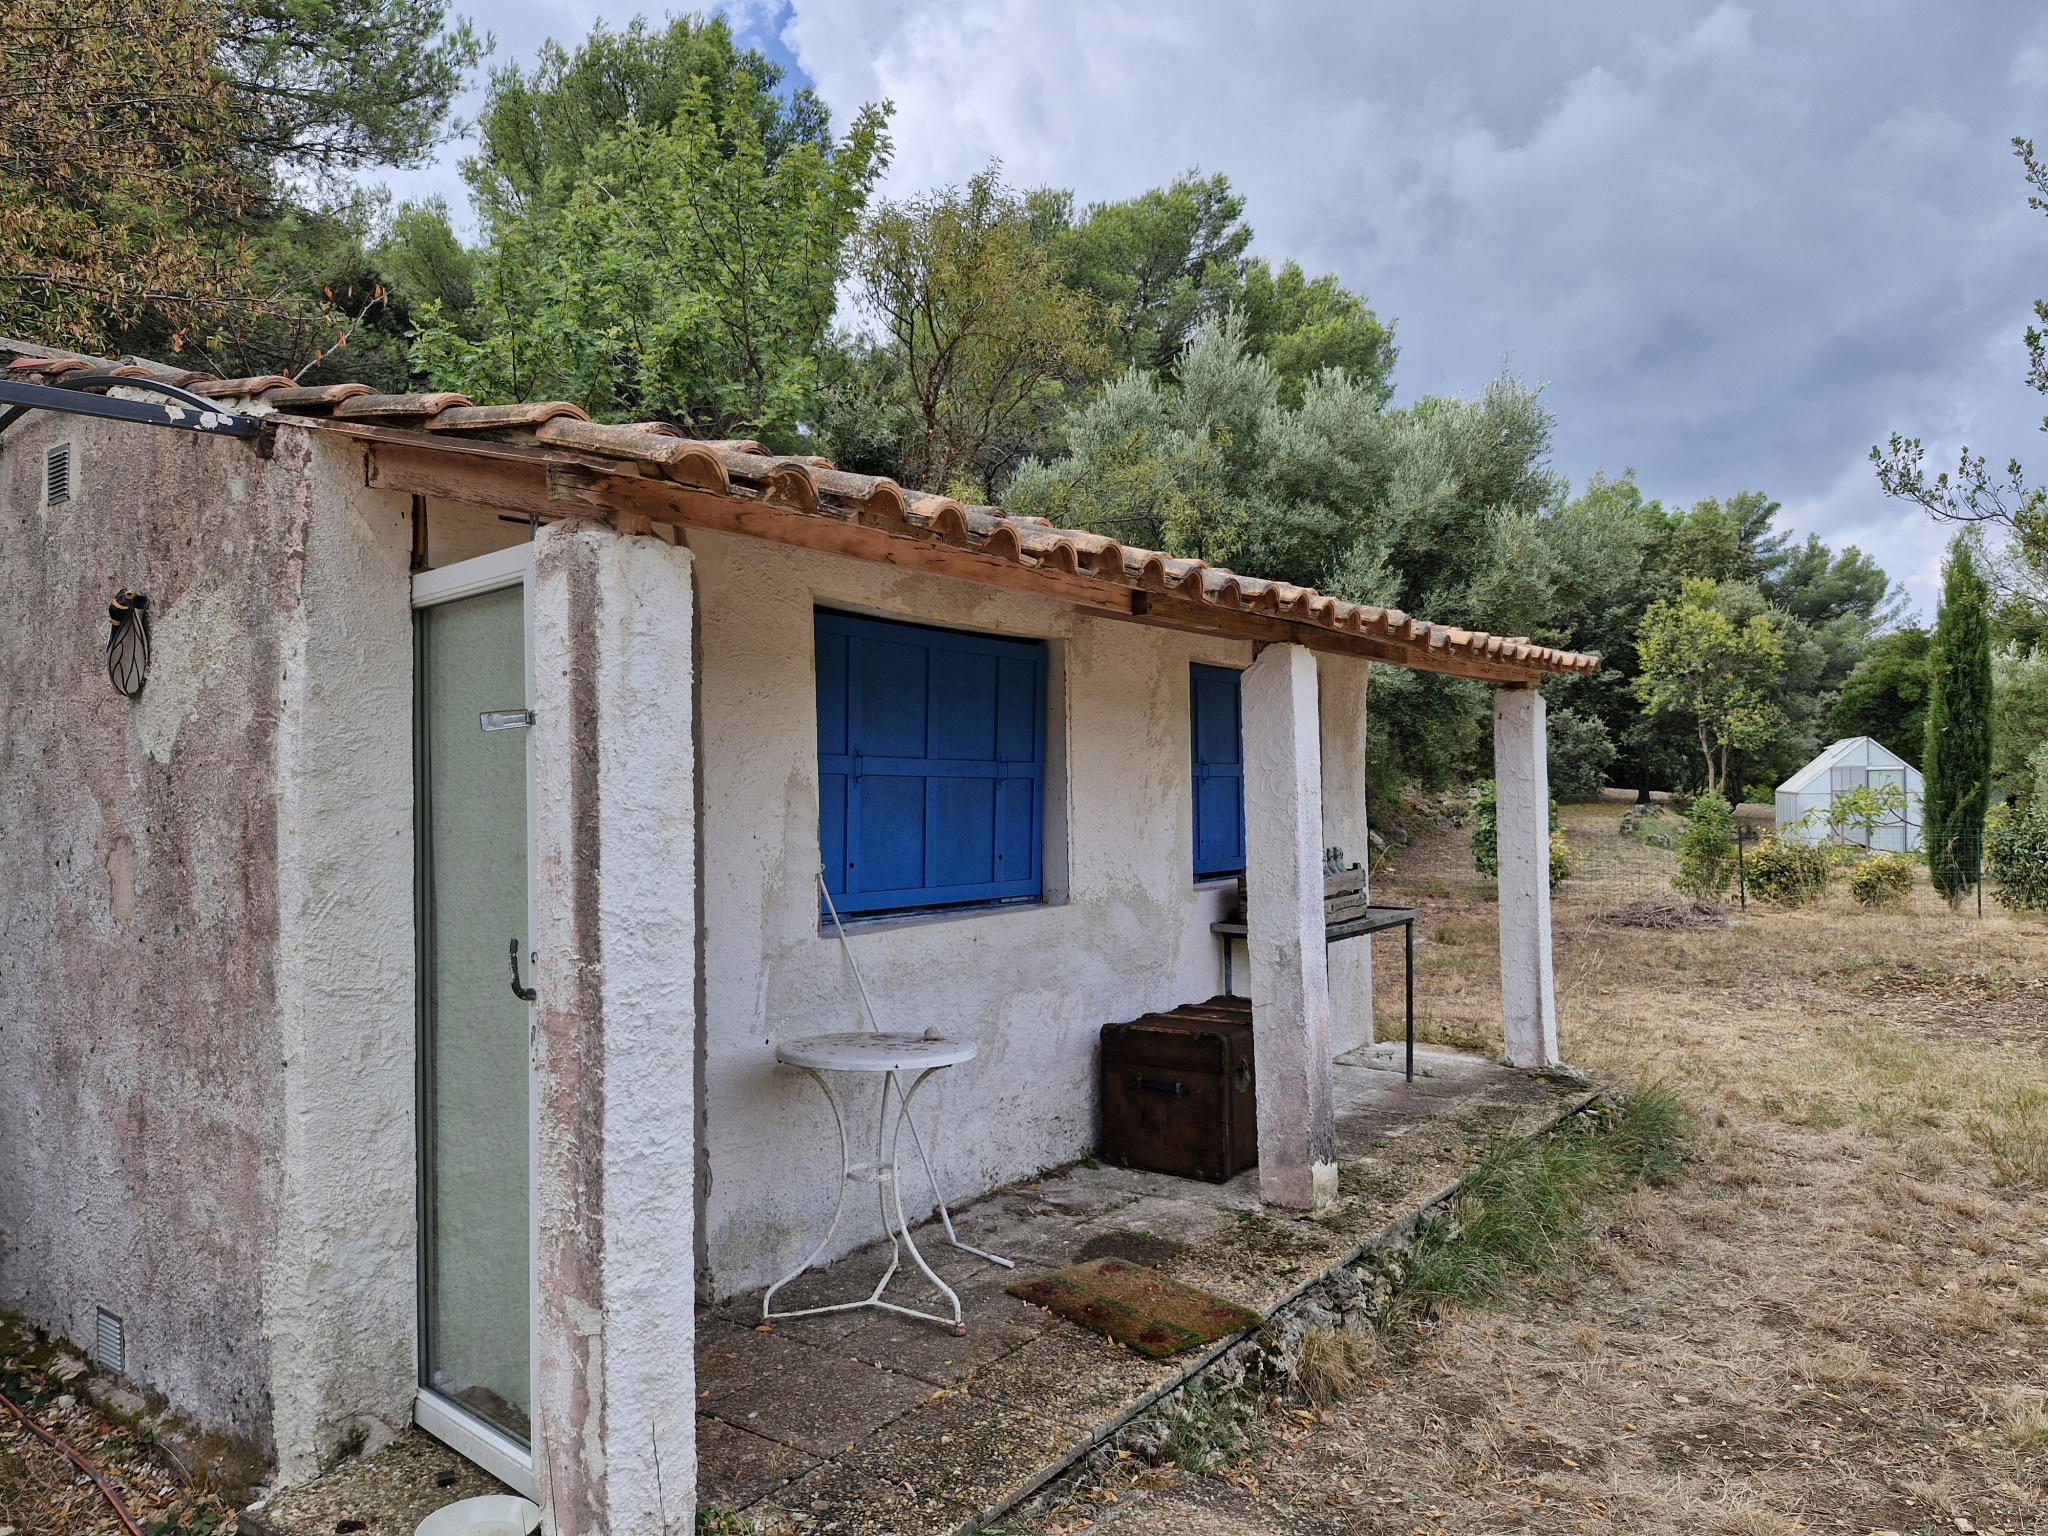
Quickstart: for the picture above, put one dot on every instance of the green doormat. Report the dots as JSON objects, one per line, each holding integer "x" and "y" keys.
{"x": 1138, "y": 1307}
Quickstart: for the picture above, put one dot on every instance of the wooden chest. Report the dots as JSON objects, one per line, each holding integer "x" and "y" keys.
{"x": 1179, "y": 1093}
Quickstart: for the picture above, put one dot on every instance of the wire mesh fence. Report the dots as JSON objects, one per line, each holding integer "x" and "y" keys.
{"x": 1644, "y": 853}
{"x": 1612, "y": 854}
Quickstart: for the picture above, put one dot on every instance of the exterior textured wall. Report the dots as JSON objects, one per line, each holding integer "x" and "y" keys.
{"x": 1341, "y": 698}
{"x": 1031, "y": 985}
{"x": 615, "y": 929}
{"x": 1283, "y": 831}
{"x": 159, "y": 1116}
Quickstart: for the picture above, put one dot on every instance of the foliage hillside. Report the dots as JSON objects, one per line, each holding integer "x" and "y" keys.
{"x": 670, "y": 227}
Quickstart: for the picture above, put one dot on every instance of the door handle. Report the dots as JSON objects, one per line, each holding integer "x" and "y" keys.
{"x": 524, "y": 994}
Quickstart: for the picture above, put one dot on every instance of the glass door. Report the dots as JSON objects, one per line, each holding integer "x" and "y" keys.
{"x": 475, "y": 1100}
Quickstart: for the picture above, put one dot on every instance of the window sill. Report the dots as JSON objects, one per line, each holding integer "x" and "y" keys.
{"x": 866, "y": 924}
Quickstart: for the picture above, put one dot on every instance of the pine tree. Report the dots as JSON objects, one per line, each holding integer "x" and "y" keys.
{"x": 1957, "y": 760}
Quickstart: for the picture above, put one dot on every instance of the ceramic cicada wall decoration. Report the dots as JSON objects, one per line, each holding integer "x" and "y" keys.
{"x": 128, "y": 642}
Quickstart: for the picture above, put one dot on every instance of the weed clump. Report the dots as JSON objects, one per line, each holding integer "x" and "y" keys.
{"x": 1526, "y": 1209}
{"x": 1788, "y": 873}
{"x": 1882, "y": 880}
{"x": 1202, "y": 1425}
{"x": 1327, "y": 1361}
{"x": 2015, "y": 1133}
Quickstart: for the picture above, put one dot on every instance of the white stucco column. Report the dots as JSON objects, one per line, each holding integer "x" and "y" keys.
{"x": 340, "y": 1273}
{"x": 1340, "y": 689}
{"x": 1283, "y": 833}
{"x": 614, "y": 889}
{"x": 1521, "y": 776}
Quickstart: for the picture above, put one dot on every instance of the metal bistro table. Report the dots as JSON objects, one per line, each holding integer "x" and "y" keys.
{"x": 1373, "y": 921}
{"x": 891, "y": 1057}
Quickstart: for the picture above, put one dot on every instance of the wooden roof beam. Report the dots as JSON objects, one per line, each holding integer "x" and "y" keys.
{"x": 553, "y": 484}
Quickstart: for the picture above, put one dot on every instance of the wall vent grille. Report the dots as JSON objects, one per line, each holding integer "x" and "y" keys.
{"x": 110, "y": 1343}
{"x": 57, "y": 474}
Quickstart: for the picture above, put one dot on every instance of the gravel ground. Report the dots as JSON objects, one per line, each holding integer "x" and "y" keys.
{"x": 43, "y": 1494}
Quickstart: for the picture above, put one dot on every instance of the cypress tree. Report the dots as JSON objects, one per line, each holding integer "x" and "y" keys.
{"x": 1956, "y": 764}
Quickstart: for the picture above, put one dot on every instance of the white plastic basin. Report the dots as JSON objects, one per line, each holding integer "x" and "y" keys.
{"x": 502, "y": 1514}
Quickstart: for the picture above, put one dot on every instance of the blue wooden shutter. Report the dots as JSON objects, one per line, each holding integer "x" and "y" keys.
{"x": 1219, "y": 771}
{"x": 931, "y": 765}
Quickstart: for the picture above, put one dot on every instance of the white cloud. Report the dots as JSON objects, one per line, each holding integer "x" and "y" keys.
{"x": 1740, "y": 245}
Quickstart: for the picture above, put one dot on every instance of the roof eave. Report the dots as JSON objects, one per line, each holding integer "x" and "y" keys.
{"x": 551, "y": 483}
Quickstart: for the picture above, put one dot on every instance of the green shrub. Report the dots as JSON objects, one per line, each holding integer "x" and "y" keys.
{"x": 1562, "y": 860}
{"x": 1706, "y": 857}
{"x": 1882, "y": 880}
{"x": 1486, "y": 837}
{"x": 2018, "y": 847}
{"x": 1842, "y": 855}
{"x": 1789, "y": 873}
{"x": 1486, "y": 830}
{"x": 1580, "y": 750}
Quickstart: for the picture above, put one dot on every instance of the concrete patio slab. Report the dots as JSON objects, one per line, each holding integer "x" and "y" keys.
{"x": 951, "y": 1430}
{"x": 821, "y": 1400}
{"x": 837, "y": 1499}
{"x": 736, "y": 1467}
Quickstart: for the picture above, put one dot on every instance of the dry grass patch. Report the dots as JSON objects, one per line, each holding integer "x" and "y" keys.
{"x": 1830, "y": 1322}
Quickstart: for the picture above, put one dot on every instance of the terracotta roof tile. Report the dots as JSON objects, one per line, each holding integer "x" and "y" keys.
{"x": 227, "y": 389}
{"x": 485, "y": 418}
{"x": 813, "y": 487}
{"x": 373, "y": 407}
{"x": 300, "y": 397}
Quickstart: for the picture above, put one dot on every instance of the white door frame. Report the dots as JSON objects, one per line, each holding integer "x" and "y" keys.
{"x": 446, "y": 1420}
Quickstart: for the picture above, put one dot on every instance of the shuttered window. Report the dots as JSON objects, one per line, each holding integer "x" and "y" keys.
{"x": 1218, "y": 742}
{"x": 931, "y": 765}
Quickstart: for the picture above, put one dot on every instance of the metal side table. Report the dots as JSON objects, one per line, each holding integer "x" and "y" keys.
{"x": 892, "y": 1057}
{"x": 1373, "y": 920}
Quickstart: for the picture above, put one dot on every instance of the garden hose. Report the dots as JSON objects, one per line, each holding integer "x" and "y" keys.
{"x": 79, "y": 1459}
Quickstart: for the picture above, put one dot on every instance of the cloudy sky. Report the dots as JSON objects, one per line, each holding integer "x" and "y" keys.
{"x": 1737, "y": 244}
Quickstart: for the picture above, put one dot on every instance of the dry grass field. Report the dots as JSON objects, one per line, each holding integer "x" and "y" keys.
{"x": 1831, "y": 1322}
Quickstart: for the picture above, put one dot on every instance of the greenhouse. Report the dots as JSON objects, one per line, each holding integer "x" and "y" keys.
{"x": 1811, "y": 803}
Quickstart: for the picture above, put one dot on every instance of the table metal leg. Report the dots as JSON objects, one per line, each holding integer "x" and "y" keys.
{"x": 846, "y": 1177}
{"x": 945, "y": 1215}
{"x": 885, "y": 1173}
{"x": 1408, "y": 933}
{"x": 902, "y": 1223}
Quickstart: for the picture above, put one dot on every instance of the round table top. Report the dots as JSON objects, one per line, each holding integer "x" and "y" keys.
{"x": 858, "y": 1051}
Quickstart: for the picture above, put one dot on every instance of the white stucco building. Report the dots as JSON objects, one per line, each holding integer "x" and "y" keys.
{"x": 1855, "y": 762}
{"x": 449, "y": 704}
